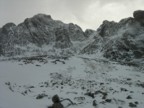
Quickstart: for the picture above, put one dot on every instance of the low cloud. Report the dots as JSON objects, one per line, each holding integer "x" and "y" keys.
{"x": 86, "y": 13}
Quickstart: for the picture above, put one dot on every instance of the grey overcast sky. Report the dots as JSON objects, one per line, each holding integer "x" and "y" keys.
{"x": 85, "y": 13}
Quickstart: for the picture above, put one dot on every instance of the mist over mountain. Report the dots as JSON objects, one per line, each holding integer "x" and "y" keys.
{"x": 41, "y": 35}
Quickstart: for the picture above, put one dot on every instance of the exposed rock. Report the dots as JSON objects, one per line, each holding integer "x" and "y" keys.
{"x": 40, "y": 96}
{"x": 79, "y": 99}
{"x": 56, "y": 102}
{"x": 129, "y": 97}
{"x": 122, "y": 41}
{"x": 89, "y": 32}
{"x": 132, "y": 105}
{"x": 139, "y": 16}
{"x": 136, "y": 102}
{"x": 108, "y": 100}
{"x": 92, "y": 95}
{"x": 75, "y": 32}
{"x": 107, "y": 28}
{"x": 94, "y": 103}
{"x": 124, "y": 89}
{"x": 62, "y": 38}
{"x": 7, "y": 38}
{"x": 36, "y": 32}
{"x": 55, "y": 99}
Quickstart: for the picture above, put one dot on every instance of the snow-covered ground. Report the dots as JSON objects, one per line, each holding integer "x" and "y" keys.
{"x": 30, "y": 83}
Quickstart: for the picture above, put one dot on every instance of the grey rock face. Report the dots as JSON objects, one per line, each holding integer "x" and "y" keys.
{"x": 122, "y": 41}
{"x": 7, "y": 38}
{"x": 62, "y": 38}
{"x": 107, "y": 28}
{"x": 127, "y": 44}
{"x": 94, "y": 46}
{"x": 89, "y": 32}
{"x": 39, "y": 30}
{"x": 76, "y": 33}
{"x": 139, "y": 16}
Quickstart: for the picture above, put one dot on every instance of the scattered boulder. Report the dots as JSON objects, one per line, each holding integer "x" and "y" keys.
{"x": 103, "y": 93}
{"x": 79, "y": 99}
{"x": 92, "y": 95}
{"x": 40, "y": 96}
{"x": 57, "y": 60}
{"x": 132, "y": 104}
{"x": 108, "y": 100}
{"x": 140, "y": 84}
{"x": 94, "y": 103}
{"x": 129, "y": 97}
{"x": 56, "y": 102}
{"x": 124, "y": 89}
{"x": 55, "y": 99}
{"x": 136, "y": 102}
{"x": 128, "y": 79}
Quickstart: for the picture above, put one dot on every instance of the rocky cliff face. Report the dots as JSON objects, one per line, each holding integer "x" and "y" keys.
{"x": 62, "y": 38}
{"x": 7, "y": 40}
{"x": 119, "y": 41}
{"x": 139, "y": 16}
{"x": 122, "y": 41}
{"x": 40, "y": 30}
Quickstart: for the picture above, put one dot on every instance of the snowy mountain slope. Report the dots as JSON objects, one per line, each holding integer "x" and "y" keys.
{"x": 31, "y": 82}
{"x": 122, "y": 41}
{"x": 42, "y": 57}
{"x": 41, "y": 35}
{"x": 40, "y": 30}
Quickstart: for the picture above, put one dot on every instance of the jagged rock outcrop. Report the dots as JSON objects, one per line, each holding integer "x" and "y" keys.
{"x": 39, "y": 30}
{"x": 107, "y": 28}
{"x": 7, "y": 38}
{"x": 122, "y": 41}
{"x": 36, "y": 32}
{"x": 139, "y": 16}
{"x": 119, "y": 41}
{"x": 89, "y": 32}
{"x": 76, "y": 33}
{"x": 62, "y": 38}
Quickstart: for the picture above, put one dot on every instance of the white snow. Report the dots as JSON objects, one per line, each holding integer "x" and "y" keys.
{"x": 21, "y": 83}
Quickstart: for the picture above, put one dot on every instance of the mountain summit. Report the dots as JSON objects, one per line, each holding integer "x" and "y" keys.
{"x": 38, "y": 31}
{"x": 122, "y": 41}
{"x": 118, "y": 41}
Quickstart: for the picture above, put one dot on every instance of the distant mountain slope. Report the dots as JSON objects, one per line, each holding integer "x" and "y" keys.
{"x": 41, "y": 35}
{"x": 122, "y": 41}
